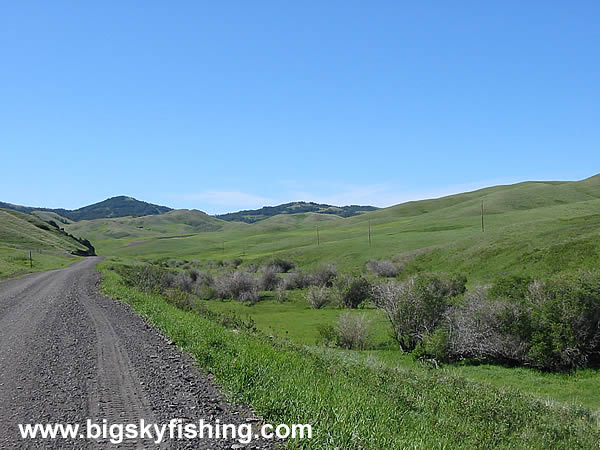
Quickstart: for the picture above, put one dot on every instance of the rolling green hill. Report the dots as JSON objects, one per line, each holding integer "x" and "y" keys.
{"x": 50, "y": 215}
{"x": 174, "y": 223}
{"x": 532, "y": 227}
{"x": 22, "y": 233}
{"x": 256, "y": 215}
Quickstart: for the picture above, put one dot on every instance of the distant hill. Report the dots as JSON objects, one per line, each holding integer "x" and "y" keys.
{"x": 176, "y": 222}
{"x": 121, "y": 206}
{"x": 256, "y": 215}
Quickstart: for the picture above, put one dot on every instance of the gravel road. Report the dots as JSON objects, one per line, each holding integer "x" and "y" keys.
{"x": 68, "y": 354}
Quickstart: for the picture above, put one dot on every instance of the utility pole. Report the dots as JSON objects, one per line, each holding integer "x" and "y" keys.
{"x": 482, "y": 226}
{"x": 369, "y": 232}
{"x": 318, "y": 238}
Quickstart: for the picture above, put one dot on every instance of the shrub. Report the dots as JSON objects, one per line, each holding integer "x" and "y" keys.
{"x": 515, "y": 287}
{"x": 415, "y": 307}
{"x": 147, "y": 278}
{"x": 566, "y": 321}
{"x": 297, "y": 280}
{"x": 183, "y": 282}
{"x": 205, "y": 278}
{"x": 205, "y": 292}
{"x": 324, "y": 275}
{"x": 280, "y": 294}
{"x": 181, "y": 299}
{"x": 268, "y": 279}
{"x": 327, "y": 335}
{"x": 193, "y": 274}
{"x": 352, "y": 290}
{"x": 236, "y": 262}
{"x": 353, "y": 331}
{"x": 283, "y": 265}
{"x": 318, "y": 296}
{"x": 240, "y": 286}
{"x": 434, "y": 346}
{"x": 480, "y": 328}
{"x": 384, "y": 268}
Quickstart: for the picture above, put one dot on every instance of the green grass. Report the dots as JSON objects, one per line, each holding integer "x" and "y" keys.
{"x": 578, "y": 388}
{"x": 295, "y": 321}
{"x": 21, "y": 233}
{"x": 352, "y": 404}
{"x": 532, "y": 228}
{"x": 15, "y": 262}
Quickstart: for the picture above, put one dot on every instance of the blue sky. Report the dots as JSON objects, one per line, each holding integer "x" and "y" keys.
{"x": 221, "y": 106}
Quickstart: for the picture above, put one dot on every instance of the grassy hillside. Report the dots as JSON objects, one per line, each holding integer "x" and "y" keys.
{"x": 21, "y": 233}
{"x": 49, "y": 215}
{"x": 536, "y": 228}
{"x": 533, "y": 228}
{"x": 175, "y": 223}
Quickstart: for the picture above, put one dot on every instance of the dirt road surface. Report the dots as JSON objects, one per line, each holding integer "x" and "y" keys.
{"x": 68, "y": 354}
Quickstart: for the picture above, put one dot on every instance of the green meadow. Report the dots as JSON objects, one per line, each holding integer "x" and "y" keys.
{"x": 536, "y": 229}
{"x": 355, "y": 400}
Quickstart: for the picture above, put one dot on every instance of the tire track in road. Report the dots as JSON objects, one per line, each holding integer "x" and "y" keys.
{"x": 68, "y": 354}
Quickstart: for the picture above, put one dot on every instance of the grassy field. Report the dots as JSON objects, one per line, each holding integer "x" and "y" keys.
{"x": 21, "y": 233}
{"x": 534, "y": 228}
{"x": 359, "y": 403}
{"x": 295, "y": 321}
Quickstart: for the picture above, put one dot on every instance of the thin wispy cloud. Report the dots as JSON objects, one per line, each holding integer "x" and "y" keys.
{"x": 380, "y": 195}
{"x": 215, "y": 201}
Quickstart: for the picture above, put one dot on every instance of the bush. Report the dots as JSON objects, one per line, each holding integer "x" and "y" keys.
{"x": 352, "y": 290}
{"x": 147, "y": 278}
{"x": 318, "y": 296}
{"x": 281, "y": 265}
{"x": 327, "y": 335}
{"x": 480, "y": 328}
{"x": 183, "y": 282}
{"x": 181, "y": 299}
{"x": 434, "y": 346}
{"x": 236, "y": 262}
{"x": 324, "y": 275}
{"x": 415, "y": 307}
{"x": 514, "y": 287}
{"x": 566, "y": 321}
{"x": 280, "y": 294}
{"x": 268, "y": 279}
{"x": 384, "y": 268}
{"x": 353, "y": 331}
{"x": 205, "y": 292}
{"x": 240, "y": 285}
{"x": 297, "y": 280}
{"x": 193, "y": 274}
